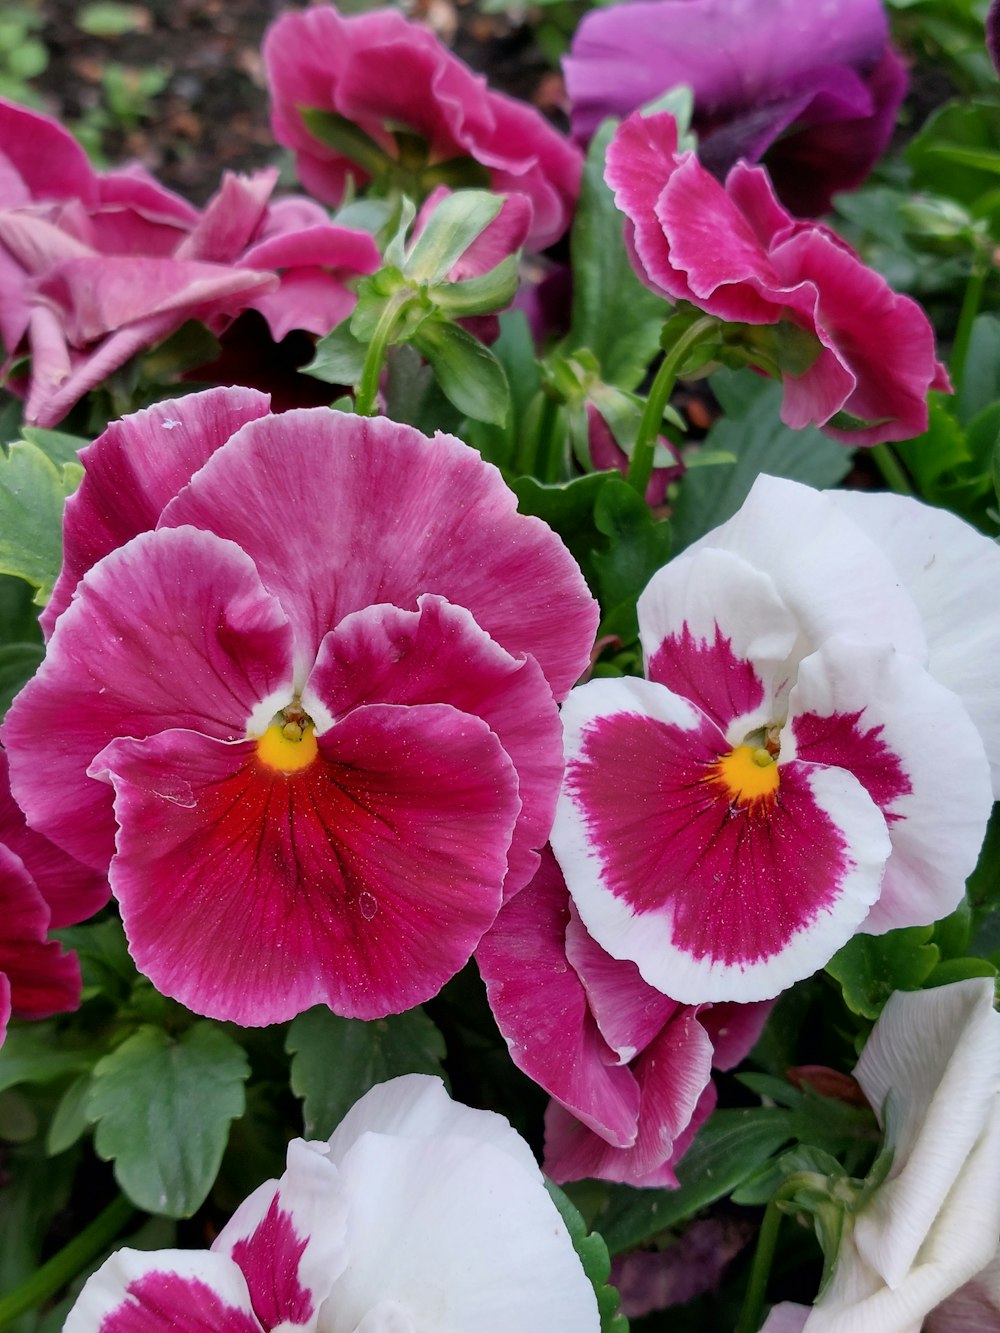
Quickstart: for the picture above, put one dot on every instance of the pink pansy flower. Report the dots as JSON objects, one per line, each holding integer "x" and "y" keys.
{"x": 628, "y": 1068}
{"x": 314, "y": 696}
{"x": 381, "y": 73}
{"x": 817, "y": 87}
{"x": 925, "y": 1244}
{"x": 40, "y": 886}
{"x": 418, "y": 1214}
{"x": 800, "y": 762}
{"x": 733, "y": 251}
{"x": 95, "y": 267}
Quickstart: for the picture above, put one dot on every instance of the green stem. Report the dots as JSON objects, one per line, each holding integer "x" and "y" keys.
{"x": 641, "y": 463}
{"x": 371, "y": 371}
{"x": 63, "y": 1267}
{"x": 753, "y": 1303}
{"x": 892, "y": 470}
{"x": 971, "y": 300}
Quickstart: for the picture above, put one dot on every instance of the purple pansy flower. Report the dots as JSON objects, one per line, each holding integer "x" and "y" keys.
{"x": 808, "y": 756}
{"x": 307, "y": 680}
{"x": 814, "y": 86}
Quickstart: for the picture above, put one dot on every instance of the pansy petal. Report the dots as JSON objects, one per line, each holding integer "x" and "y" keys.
{"x": 713, "y": 896}
{"x": 134, "y": 468}
{"x": 40, "y": 979}
{"x": 454, "y": 531}
{"x": 438, "y": 654}
{"x": 673, "y": 1074}
{"x": 183, "y": 600}
{"x": 289, "y": 1238}
{"x": 363, "y": 881}
{"x": 714, "y": 630}
{"x": 445, "y": 1228}
{"x": 834, "y": 578}
{"x": 540, "y": 1006}
{"x": 910, "y": 743}
{"x": 930, "y": 1068}
{"x": 164, "y": 1291}
{"x": 947, "y": 567}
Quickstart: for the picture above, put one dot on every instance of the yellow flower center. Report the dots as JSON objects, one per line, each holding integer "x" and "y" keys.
{"x": 288, "y": 746}
{"x": 747, "y": 773}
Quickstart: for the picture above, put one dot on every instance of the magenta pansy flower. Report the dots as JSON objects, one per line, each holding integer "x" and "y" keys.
{"x": 808, "y": 756}
{"x": 307, "y": 680}
{"x": 815, "y": 87}
{"x": 418, "y": 1213}
{"x": 95, "y": 267}
{"x": 40, "y": 886}
{"x": 383, "y": 74}
{"x": 733, "y": 251}
{"x": 628, "y": 1068}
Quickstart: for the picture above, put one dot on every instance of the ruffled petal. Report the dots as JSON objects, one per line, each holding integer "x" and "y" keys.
{"x": 134, "y": 468}
{"x": 714, "y": 895}
{"x": 172, "y": 630}
{"x": 289, "y": 1238}
{"x": 39, "y": 978}
{"x": 362, "y": 881}
{"x": 438, "y": 654}
{"x": 377, "y": 512}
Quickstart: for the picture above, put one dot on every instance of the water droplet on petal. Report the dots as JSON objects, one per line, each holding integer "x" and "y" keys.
{"x": 368, "y": 906}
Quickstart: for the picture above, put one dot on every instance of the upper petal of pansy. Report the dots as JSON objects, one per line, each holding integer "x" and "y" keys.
{"x": 135, "y": 468}
{"x": 541, "y": 1008}
{"x": 377, "y": 512}
{"x": 172, "y": 630}
{"x": 438, "y": 654}
{"x": 952, "y": 573}
{"x": 359, "y": 872}
{"x": 164, "y": 1291}
{"x": 720, "y": 875}
{"x": 908, "y": 740}
{"x": 832, "y": 576}
{"x": 289, "y": 1238}
{"x": 444, "y": 1230}
{"x": 714, "y": 630}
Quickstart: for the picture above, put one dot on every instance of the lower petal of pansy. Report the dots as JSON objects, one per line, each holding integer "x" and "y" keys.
{"x": 362, "y": 878}
{"x": 541, "y": 1008}
{"x": 720, "y": 877}
{"x": 39, "y": 978}
{"x": 909, "y": 741}
{"x": 438, "y": 654}
{"x": 164, "y": 1291}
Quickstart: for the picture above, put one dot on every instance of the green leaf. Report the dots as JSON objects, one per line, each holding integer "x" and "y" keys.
{"x": 35, "y": 1188}
{"x": 638, "y": 545}
{"x": 469, "y": 374}
{"x": 752, "y": 431}
{"x": 614, "y": 315}
{"x": 56, "y": 445}
{"x": 339, "y": 358}
{"x": 344, "y": 137}
{"x": 481, "y": 295}
{"x": 106, "y": 18}
{"x": 31, "y": 1054}
{"x": 336, "y": 1060}
{"x": 18, "y": 663}
{"x": 593, "y": 1254}
{"x": 33, "y": 491}
{"x": 163, "y": 1106}
{"x": 729, "y": 1147}
{"x": 870, "y": 967}
{"x": 515, "y": 350}
{"x": 959, "y": 969}
{"x": 456, "y": 222}
{"x": 954, "y": 153}
{"x": 70, "y": 1120}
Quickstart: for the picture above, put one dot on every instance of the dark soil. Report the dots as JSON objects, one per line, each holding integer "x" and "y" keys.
{"x": 212, "y": 113}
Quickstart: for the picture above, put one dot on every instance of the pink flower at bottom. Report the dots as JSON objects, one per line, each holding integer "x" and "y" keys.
{"x": 735, "y": 253}
{"x": 309, "y": 720}
{"x": 629, "y": 1069}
